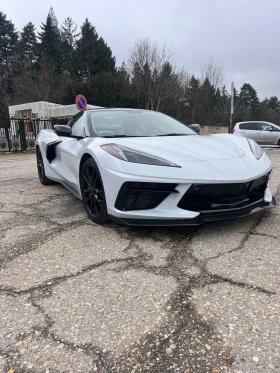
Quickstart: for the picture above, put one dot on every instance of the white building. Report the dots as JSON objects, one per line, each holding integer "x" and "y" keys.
{"x": 43, "y": 109}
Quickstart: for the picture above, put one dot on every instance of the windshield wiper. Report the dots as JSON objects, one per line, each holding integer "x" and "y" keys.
{"x": 174, "y": 134}
{"x": 114, "y": 136}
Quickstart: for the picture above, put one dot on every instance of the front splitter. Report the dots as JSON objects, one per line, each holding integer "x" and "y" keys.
{"x": 202, "y": 218}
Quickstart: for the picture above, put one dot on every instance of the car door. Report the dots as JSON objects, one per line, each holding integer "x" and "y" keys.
{"x": 275, "y": 135}
{"x": 68, "y": 153}
{"x": 265, "y": 133}
{"x": 249, "y": 130}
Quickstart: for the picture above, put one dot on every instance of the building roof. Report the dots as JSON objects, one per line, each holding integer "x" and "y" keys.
{"x": 43, "y": 109}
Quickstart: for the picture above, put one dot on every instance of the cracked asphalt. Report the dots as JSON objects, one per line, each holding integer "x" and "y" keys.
{"x": 78, "y": 297}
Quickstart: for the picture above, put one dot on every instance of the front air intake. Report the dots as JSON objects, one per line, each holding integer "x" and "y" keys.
{"x": 143, "y": 196}
{"x": 215, "y": 197}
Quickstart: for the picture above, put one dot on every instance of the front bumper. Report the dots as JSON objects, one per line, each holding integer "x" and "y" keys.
{"x": 201, "y": 218}
{"x": 167, "y": 213}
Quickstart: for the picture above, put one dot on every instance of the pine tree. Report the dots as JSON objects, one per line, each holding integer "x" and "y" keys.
{"x": 249, "y": 103}
{"x": 274, "y": 104}
{"x": 92, "y": 53}
{"x": 101, "y": 89}
{"x": 85, "y": 56}
{"x": 68, "y": 42}
{"x": 8, "y": 39}
{"x": 193, "y": 100}
{"x": 28, "y": 44}
{"x": 207, "y": 96}
{"x": 124, "y": 96}
{"x": 105, "y": 60}
{"x": 50, "y": 39}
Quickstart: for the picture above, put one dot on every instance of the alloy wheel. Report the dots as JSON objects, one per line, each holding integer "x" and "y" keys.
{"x": 92, "y": 190}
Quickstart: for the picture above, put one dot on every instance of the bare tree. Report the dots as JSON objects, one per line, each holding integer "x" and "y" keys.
{"x": 213, "y": 71}
{"x": 151, "y": 71}
{"x": 45, "y": 85}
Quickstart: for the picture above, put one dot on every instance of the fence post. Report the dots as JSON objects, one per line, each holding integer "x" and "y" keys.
{"x": 22, "y": 135}
{"x": 8, "y": 137}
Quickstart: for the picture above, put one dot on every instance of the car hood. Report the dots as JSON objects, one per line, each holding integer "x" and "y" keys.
{"x": 191, "y": 147}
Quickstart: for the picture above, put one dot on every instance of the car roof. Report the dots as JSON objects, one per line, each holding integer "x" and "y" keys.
{"x": 116, "y": 109}
{"x": 256, "y": 121}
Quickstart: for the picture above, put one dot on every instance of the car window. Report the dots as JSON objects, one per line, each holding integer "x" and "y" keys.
{"x": 253, "y": 126}
{"x": 122, "y": 122}
{"x": 265, "y": 127}
{"x": 275, "y": 129}
{"x": 78, "y": 127}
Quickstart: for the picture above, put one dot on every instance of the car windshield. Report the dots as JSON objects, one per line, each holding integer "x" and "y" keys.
{"x": 135, "y": 123}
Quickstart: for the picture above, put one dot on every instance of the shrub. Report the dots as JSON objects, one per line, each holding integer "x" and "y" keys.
{"x": 31, "y": 144}
{"x": 16, "y": 144}
{"x": 3, "y": 145}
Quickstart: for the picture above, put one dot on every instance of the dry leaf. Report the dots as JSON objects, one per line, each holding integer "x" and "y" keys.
{"x": 18, "y": 343}
{"x": 225, "y": 358}
{"x": 207, "y": 347}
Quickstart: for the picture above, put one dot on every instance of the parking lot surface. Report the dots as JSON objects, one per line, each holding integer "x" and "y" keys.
{"x": 78, "y": 297}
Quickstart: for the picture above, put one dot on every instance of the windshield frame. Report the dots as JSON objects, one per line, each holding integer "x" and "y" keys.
{"x": 92, "y": 133}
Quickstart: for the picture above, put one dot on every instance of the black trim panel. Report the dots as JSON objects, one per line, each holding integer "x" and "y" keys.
{"x": 134, "y": 196}
{"x": 202, "y": 218}
{"x": 50, "y": 150}
{"x": 227, "y": 196}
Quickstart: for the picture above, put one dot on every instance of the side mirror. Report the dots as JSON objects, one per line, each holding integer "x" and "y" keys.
{"x": 63, "y": 130}
{"x": 271, "y": 129}
{"x": 195, "y": 127}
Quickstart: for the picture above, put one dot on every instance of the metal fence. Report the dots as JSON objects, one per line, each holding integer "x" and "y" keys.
{"x": 19, "y": 134}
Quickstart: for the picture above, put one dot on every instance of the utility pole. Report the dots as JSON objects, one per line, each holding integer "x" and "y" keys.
{"x": 231, "y": 105}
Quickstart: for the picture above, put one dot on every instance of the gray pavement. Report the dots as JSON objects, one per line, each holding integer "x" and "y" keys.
{"x": 77, "y": 297}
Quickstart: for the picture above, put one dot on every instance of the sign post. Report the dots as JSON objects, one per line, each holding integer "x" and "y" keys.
{"x": 81, "y": 102}
{"x": 231, "y": 105}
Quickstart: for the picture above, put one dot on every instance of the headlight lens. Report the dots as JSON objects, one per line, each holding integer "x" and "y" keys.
{"x": 135, "y": 156}
{"x": 255, "y": 148}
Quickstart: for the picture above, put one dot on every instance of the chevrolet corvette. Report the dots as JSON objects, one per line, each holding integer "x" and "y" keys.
{"x": 145, "y": 168}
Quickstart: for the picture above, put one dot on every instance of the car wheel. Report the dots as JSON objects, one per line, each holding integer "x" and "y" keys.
{"x": 41, "y": 169}
{"x": 279, "y": 143}
{"x": 92, "y": 191}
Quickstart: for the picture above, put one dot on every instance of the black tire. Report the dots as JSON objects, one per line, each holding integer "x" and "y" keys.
{"x": 279, "y": 143}
{"x": 41, "y": 169}
{"x": 92, "y": 191}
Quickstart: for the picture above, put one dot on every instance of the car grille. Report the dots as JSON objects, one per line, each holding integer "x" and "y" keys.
{"x": 142, "y": 196}
{"x": 216, "y": 197}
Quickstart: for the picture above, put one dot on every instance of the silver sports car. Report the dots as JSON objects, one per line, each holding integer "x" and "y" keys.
{"x": 142, "y": 167}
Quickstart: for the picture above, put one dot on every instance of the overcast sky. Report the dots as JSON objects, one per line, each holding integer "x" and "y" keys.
{"x": 242, "y": 35}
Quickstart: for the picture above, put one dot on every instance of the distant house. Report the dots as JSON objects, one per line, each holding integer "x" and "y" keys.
{"x": 37, "y": 115}
{"x": 44, "y": 110}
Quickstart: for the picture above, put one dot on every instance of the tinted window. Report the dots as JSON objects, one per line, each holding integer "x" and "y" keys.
{"x": 248, "y": 126}
{"x": 78, "y": 127}
{"x": 135, "y": 123}
{"x": 265, "y": 127}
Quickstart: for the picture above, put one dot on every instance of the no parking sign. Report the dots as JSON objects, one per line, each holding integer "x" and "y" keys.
{"x": 81, "y": 102}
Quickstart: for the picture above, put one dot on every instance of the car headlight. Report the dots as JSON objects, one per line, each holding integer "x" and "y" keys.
{"x": 135, "y": 156}
{"x": 255, "y": 148}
